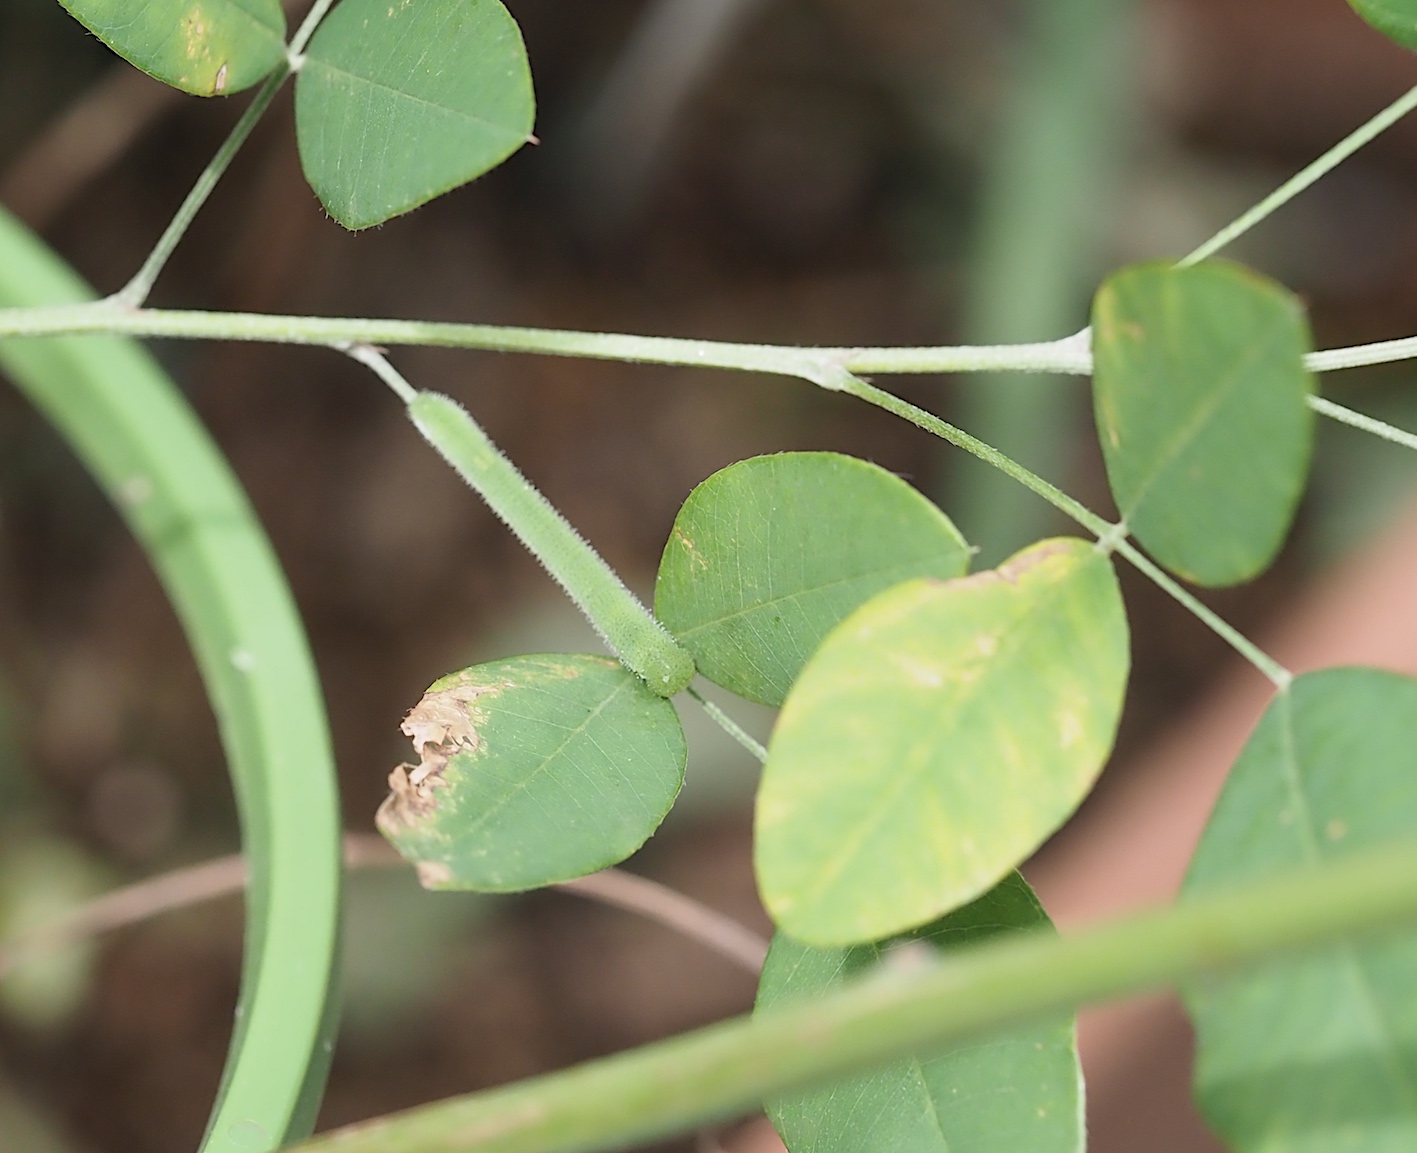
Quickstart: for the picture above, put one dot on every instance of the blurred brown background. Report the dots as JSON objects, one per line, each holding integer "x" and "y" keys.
{"x": 804, "y": 171}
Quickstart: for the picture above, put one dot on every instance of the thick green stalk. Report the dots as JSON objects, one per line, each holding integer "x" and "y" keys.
{"x": 730, "y": 1068}
{"x": 643, "y": 645}
{"x": 130, "y": 426}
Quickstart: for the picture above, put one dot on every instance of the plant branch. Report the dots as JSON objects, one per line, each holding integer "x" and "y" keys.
{"x": 1112, "y": 536}
{"x": 1306, "y": 178}
{"x": 183, "y": 888}
{"x": 307, "y": 29}
{"x": 1071, "y": 356}
{"x": 1379, "y": 428}
{"x": 1363, "y": 355}
{"x": 642, "y": 644}
{"x": 729, "y": 1068}
{"x": 731, "y": 727}
{"x": 672, "y": 909}
{"x": 132, "y": 295}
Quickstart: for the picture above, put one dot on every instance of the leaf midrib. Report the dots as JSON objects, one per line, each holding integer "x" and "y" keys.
{"x": 526, "y": 782}
{"x": 1183, "y": 438}
{"x": 850, "y": 848}
{"x": 412, "y": 98}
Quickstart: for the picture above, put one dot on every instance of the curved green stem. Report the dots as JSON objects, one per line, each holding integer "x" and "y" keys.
{"x": 130, "y": 426}
{"x": 726, "y": 1069}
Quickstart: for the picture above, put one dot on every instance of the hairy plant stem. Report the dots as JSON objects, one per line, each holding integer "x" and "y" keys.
{"x": 1307, "y": 177}
{"x": 729, "y": 1068}
{"x": 1071, "y": 356}
{"x": 644, "y": 646}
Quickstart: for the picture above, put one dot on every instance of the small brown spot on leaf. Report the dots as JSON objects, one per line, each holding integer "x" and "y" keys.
{"x": 219, "y": 86}
{"x": 694, "y": 555}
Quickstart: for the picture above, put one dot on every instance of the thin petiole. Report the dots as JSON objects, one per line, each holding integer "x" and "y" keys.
{"x": 1363, "y": 355}
{"x": 730, "y": 726}
{"x": 136, "y": 291}
{"x": 1378, "y": 428}
{"x": 1308, "y": 177}
{"x": 1109, "y": 534}
{"x": 307, "y": 29}
{"x": 379, "y": 364}
{"x": 1281, "y": 677}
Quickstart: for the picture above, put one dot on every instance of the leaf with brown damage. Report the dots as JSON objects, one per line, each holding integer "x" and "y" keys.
{"x": 531, "y": 771}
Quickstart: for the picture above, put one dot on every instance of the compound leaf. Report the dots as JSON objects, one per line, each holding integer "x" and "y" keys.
{"x": 1019, "y": 1090}
{"x": 532, "y": 770}
{"x": 768, "y": 555}
{"x": 1316, "y": 1054}
{"x": 1201, "y": 399}
{"x": 206, "y": 47}
{"x": 399, "y": 102}
{"x": 937, "y": 737}
{"x": 1396, "y": 19}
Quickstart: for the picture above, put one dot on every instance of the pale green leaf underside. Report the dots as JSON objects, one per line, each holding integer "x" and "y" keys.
{"x": 550, "y": 768}
{"x": 399, "y": 102}
{"x": 770, "y": 554}
{"x": 1396, "y": 19}
{"x": 1201, "y": 400}
{"x": 206, "y": 47}
{"x": 1320, "y": 1054}
{"x": 937, "y": 737}
{"x": 1017, "y": 1091}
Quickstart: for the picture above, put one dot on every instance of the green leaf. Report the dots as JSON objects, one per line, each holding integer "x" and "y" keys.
{"x": 1318, "y": 1054}
{"x": 1017, "y": 1091}
{"x": 206, "y": 47}
{"x": 532, "y": 770}
{"x": 770, "y": 554}
{"x": 399, "y": 102}
{"x": 1396, "y": 19}
{"x": 1201, "y": 399}
{"x": 937, "y": 737}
